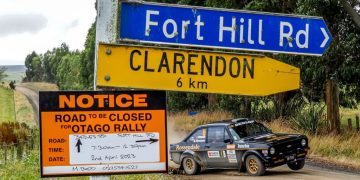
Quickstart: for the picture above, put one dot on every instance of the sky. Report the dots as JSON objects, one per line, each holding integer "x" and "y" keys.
{"x": 41, "y": 25}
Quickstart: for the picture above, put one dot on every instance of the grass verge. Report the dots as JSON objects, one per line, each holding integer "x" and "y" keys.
{"x": 24, "y": 111}
{"x": 28, "y": 168}
{"x": 6, "y": 105}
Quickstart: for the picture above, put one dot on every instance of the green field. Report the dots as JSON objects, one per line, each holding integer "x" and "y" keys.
{"x": 346, "y": 113}
{"x": 6, "y": 105}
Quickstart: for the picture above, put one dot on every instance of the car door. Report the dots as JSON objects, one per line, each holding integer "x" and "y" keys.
{"x": 216, "y": 154}
{"x": 196, "y": 142}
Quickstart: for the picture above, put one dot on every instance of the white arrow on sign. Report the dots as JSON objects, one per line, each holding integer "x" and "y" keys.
{"x": 326, "y": 37}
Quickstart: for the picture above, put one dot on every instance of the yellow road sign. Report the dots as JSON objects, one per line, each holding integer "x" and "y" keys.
{"x": 193, "y": 71}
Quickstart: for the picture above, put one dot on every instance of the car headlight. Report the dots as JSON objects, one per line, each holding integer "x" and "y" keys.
{"x": 272, "y": 150}
{"x": 303, "y": 142}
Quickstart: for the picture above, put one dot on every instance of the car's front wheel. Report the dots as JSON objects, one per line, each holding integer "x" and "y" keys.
{"x": 255, "y": 166}
{"x": 190, "y": 166}
{"x": 297, "y": 165}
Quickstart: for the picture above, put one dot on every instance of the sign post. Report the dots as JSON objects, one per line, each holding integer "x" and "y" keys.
{"x": 193, "y": 71}
{"x": 223, "y": 28}
{"x": 105, "y": 32}
{"x": 94, "y": 133}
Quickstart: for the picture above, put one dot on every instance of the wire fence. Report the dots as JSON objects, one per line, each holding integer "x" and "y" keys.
{"x": 17, "y": 141}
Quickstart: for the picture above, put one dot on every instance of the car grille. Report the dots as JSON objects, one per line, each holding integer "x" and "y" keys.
{"x": 288, "y": 148}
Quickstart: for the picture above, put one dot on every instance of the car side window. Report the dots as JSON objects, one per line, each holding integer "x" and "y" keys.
{"x": 198, "y": 136}
{"x": 226, "y": 135}
{"x": 234, "y": 134}
{"x": 215, "y": 134}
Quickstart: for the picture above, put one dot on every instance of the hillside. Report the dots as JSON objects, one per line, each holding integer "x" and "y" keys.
{"x": 14, "y": 72}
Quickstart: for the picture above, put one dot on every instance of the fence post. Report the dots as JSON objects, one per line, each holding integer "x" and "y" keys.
{"x": 13, "y": 151}
{"x": 349, "y": 124}
{"x": 5, "y": 152}
{"x": 357, "y": 123}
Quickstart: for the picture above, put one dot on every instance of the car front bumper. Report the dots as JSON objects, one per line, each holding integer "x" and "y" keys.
{"x": 284, "y": 158}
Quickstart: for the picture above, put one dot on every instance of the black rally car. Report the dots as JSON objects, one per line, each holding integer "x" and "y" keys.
{"x": 238, "y": 144}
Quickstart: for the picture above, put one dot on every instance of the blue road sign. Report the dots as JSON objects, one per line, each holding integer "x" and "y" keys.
{"x": 223, "y": 28}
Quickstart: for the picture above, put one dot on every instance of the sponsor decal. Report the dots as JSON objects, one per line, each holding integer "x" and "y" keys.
{"x": 245, "y": 122}
{"x": 199, "y": 141}
{"x": 213, "y": 154}
{"x": 192, "y": 147}
{"x": 243, "y": 146}
{"x": 232, "y": 152}
{"x": 230, "y": 146}
{"x": 273, "y": 138}
{"x": 231, "y": 156}
{"x": 263, "y": 136}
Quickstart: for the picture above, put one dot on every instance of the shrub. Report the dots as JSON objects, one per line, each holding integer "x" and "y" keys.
{"x": 310, "y": 119}
{"x": 231, "y": 103}
{"x": 263, "y": 110}
{"x": 180, "y": 101}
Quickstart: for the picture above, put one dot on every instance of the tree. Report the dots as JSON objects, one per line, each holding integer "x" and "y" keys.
{"x": 38, "y": 69}
{"x": 354, "y": 14}
{"x": 29, "y": 73}
{"x": 48, "y": 75}
{"x": 88, "y": 58}
{"x": 339, "y": 66}
{"x": 54, "y": 61}
{"x": 68, "y": 75}
{"x": 34, "y": 70}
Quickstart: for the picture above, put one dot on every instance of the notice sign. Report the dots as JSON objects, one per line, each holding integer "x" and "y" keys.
{"x": 99, "y": 132}
{"x": 193, "y": 71}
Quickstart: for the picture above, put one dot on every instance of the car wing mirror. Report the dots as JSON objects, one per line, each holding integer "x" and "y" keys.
{"x": 228, "y": 141}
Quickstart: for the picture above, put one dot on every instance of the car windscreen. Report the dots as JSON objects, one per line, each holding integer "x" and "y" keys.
{"x": 252, "y": 128}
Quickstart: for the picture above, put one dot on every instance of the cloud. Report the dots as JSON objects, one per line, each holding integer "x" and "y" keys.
{"x": 21, "y": 23}
{"x": 73, "y": 24}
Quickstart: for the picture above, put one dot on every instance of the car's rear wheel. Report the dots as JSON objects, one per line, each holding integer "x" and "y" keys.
{"x": 297, "y": 165}
{"x": 190, "y": 166}
{"x": 254, "y": 166}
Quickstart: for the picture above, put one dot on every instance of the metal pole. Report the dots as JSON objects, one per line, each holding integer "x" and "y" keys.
{"x": 106, "y": 28}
